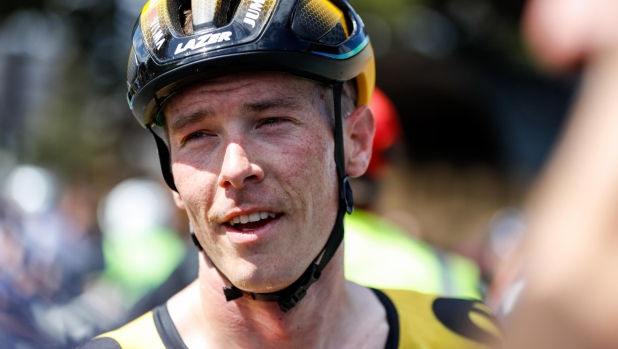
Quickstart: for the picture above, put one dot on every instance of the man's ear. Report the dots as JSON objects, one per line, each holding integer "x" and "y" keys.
{"x": 359, "y": 130}
{"x": 178, "y": 200}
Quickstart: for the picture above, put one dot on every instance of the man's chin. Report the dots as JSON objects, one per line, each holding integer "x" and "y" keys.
{"x": 262, "y": 281}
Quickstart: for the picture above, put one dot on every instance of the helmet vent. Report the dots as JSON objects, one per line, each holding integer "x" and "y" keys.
{"x": 335, "y": 36}
{"x": 320, "y": 21}
{"x": 210, "y": 14}
{"x": 226, "y": 12}
{"x": 203, "y": 13}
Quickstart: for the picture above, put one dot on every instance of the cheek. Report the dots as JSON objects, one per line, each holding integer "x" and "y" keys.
{"x": 194, "y": 172}
{"x": 194, "y": 186}
{"x": 311, "y": 165}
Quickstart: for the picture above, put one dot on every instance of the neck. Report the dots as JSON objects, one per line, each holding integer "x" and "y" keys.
{"x": 326, "y": 312}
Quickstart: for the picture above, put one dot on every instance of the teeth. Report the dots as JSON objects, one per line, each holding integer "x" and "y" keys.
{"x": 254, "y": 217}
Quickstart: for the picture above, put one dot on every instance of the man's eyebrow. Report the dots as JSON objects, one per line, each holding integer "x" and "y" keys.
{"x": 187, "y": 120}
{"x": 264, "y": 105}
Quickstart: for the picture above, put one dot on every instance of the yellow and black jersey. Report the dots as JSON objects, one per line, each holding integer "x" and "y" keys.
{"x": 424, "y": 321}
{"x": 416, "y": 321}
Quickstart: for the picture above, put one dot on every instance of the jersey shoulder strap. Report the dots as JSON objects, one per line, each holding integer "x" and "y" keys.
{"x": 138, "y": 334}
{"x": 430, "y": 321}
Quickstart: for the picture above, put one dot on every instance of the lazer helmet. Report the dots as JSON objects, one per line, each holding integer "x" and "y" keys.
{"x": 322, "y": 40}
{"x": 181, "y": 42}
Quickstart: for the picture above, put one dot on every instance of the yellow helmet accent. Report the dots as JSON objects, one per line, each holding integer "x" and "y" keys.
{"x": 366, "y": 82}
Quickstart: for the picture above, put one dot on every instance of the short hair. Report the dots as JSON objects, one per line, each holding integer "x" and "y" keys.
{"x": 187, "y": 23}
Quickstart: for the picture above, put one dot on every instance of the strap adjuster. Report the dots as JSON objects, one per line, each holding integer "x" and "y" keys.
{"x": 232, "y": 293}
{"x": 287, "y": 302}
{"x": 346, "y": 196}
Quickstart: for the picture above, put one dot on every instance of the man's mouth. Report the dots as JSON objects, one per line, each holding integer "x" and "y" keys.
{"x": 252, "y": 221}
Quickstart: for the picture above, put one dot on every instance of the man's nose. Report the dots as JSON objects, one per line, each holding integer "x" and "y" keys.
{"x": 237, "y": 170}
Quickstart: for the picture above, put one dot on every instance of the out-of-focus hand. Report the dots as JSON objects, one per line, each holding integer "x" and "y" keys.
{"x": 562, "y": 33}
{"x": 570, "y": 257}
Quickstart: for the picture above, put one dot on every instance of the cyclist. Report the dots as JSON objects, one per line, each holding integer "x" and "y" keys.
{"x": 262, "y": 104}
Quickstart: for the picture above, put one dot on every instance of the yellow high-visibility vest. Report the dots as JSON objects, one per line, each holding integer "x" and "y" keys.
{"x": 379, "y": 254}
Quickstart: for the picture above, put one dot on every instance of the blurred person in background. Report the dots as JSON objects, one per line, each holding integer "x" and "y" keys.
{"x": 18, "y": 327}
{"x": 569, "y": 259}
{"x": 271, "y": 200}
{"x": 52, "y": 255}
{"x": 89, "y": 282}
{"x": 140, "y": 247}
{"x": 450, "y": 180}
{"x": 81, "y": 256}
{"x": 378, "y": 253}
{"x": 144, "y": 255}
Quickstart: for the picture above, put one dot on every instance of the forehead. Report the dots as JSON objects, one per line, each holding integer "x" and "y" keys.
{"x": 239, "y": 88}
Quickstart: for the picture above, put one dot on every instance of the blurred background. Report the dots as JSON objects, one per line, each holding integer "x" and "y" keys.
{"x": 88, "y": 227}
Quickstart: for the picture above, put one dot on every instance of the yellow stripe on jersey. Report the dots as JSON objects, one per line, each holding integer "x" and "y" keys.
{"x": 484, "y": 322}
{"x": 141, "y": 333}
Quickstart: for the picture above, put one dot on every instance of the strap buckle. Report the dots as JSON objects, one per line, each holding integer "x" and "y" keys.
{"x": 232, "y": 293}
{"x": 346, "y": 196}
{"x": 287, "y": 302}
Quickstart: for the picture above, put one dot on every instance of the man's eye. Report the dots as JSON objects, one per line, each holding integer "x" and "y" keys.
{"x": 271, "y": 121}
{"x": 194, "y": 136}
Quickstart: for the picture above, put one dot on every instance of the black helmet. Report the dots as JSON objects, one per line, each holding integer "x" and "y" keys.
{"x": 321, "y": 40}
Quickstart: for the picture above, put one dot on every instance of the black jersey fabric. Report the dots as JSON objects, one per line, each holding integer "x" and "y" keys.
{"x": 416, "y": 321}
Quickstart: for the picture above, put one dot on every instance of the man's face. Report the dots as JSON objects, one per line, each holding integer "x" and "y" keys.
{"x": 255, "y": 147}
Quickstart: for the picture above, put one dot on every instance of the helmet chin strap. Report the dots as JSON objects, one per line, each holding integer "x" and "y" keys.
{"x": 291, "y": 295}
